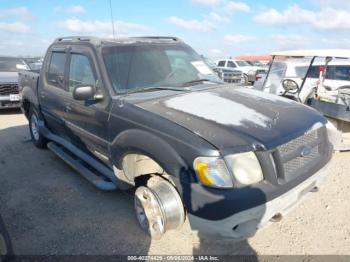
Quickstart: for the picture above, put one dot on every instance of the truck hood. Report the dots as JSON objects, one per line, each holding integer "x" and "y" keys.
{"x": 237, "y": 118}
{"x": 246, "y": 69}
{"x": 8, "y": 77}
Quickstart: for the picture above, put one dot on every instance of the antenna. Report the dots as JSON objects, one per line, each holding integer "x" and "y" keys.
{"x": 110, "y": 6}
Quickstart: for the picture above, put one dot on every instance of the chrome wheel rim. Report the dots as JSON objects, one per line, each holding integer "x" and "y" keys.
{"x": 149, "y": 212}
{"x": 34, "y": 127}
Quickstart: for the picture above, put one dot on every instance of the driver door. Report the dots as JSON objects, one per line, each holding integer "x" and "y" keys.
{"x": 87, "y": 121}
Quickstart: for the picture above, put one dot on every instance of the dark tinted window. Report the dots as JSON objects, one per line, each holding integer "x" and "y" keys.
{"x": 80, "y": 72}
{"x": 231, "y": 64}
{"x": 55, "y": 74}
{"x": 338, "y": 72}
{"x": 221, "y": 63}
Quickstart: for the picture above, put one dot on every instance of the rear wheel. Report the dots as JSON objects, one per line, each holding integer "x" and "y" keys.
{"x": 158, "y": 207}
{"x": 38, "y": 139}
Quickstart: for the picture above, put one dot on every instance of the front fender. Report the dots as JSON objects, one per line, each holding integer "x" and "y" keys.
{"x": 143, "y": 142}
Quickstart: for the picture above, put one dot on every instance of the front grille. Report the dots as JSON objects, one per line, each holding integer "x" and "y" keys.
{"x": 232, "y": 78}
{"x": 301, "y": 154}
{"x": 8, "y": 89}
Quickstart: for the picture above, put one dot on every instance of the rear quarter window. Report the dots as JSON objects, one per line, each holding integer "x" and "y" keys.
{"x": 56, "y": 69}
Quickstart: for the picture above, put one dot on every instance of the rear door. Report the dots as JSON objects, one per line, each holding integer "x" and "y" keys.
{"x": 53, "y": 91}
{"x": 87, "y": 121}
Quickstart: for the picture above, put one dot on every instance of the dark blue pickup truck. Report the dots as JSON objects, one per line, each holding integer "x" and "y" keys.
{"x": 148, "y": 113}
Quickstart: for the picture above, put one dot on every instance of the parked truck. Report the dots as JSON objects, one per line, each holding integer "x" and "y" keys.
{"x": 148, "y": 113}
{"x": 9, "y": 92}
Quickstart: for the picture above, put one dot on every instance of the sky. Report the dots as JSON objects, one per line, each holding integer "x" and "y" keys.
{"x": 214, "y": 28}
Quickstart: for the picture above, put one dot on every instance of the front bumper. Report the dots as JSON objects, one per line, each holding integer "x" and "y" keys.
{"x": 246, "y": 223}
{"x": 10, "y": 101}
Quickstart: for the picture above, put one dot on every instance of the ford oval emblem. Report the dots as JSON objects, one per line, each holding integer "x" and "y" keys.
{"x": 305, "y": 151}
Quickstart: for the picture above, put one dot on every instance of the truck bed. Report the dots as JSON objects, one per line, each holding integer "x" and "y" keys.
{"x": 28, "y": 79}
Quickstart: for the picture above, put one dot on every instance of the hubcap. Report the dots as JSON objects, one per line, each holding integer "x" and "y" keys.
{"x": 149, "y": 212}
{"x": 34, "y": 127}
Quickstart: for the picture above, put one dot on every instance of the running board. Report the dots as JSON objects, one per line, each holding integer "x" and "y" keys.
{"x": 98, "y": 166}
{"x": 79, "y": 166}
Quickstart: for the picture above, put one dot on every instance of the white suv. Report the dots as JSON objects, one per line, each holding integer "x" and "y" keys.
{"x": 243, "y": 66}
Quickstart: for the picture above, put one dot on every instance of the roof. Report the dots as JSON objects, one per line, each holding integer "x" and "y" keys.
{"x": 254, "y": 57}
{"x": 97, "y": 40}
{"x": 340, "y": 53}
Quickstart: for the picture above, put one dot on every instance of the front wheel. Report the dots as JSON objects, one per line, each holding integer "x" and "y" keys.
{"x": 158, "y": 207}
{"x": 38, "y": 139}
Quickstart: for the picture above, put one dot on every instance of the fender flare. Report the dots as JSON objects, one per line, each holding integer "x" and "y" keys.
{"x": 142, "y": 142}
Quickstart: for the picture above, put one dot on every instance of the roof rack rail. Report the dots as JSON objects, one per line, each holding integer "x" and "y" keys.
{"x": 160, "y": 37}
{"x": 75, "y": 38}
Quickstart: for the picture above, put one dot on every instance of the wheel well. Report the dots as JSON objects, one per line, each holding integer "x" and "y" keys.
{"x": 26, "y": 106}
{"x": 138, "y": 168}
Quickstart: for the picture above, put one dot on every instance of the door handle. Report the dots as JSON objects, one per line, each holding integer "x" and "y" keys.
{"x": 42, "y": 94}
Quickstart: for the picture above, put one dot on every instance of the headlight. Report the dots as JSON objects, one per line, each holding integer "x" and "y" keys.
{"x": 212, "y": 171}
{"x": 245, "y": 168}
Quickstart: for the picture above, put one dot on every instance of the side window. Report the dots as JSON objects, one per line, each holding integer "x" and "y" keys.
{"x": 221, "y": 63}
{"x": 55, "y": 74}
{"x": 335, "y": 72}
{"x": 231, "y": 64}
{"x": 80, "y": 72}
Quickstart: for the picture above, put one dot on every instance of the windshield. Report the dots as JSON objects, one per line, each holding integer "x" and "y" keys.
{"x": 11, "y": 64}
{"x": 283, "y": 68}
{"x": 131, "y": 67}
{"x": 242, "y": 63}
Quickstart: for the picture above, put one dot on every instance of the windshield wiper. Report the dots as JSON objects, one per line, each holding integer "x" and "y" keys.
{"x": 198, "y": 81}
{"x": 155, "y": 88}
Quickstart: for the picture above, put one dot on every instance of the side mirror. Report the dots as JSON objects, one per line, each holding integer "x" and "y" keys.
{"x": 290, "y": 86}
{"x": 84, "y": 92}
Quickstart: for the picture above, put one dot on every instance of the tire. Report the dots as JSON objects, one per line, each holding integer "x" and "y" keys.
{"x": 38, "y": 139}
{"x": 245, "y": 79}
{"x": 158, "y": 207}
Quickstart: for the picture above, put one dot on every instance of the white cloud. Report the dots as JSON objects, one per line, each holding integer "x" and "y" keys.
{"x": 20, "y": 12}
{"x": 218, "y": 17}
{"x": 237, "y": 6}
{"x": 342, "y": 4}
{"x": 290, "y": 41}
{"x": 238, "y": 39}
{"x": 101, "y": 27}
{"x": 206, "y": 2}
{"x": 193, "y": 25}
{"x": 15, "y": 27}
{"x": 292, "y": 15}
{"x": 74, "y": 9}
{"x": 17, "y": 44}
{"x": 325, "y": 18}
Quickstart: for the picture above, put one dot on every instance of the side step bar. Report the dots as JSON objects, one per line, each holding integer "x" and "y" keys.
{"x": 78, "y": 165}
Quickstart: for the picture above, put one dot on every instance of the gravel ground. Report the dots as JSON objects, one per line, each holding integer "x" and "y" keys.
{"x": 49, "y": 209}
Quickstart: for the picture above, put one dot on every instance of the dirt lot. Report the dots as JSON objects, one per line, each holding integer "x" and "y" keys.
{"x": 49, "y": 209}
